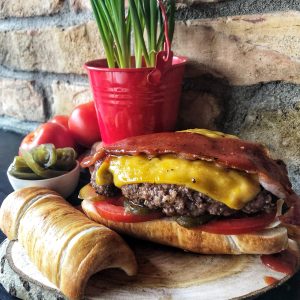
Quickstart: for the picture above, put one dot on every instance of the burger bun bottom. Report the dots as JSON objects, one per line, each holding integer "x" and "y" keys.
{"x": 168, "y": 232}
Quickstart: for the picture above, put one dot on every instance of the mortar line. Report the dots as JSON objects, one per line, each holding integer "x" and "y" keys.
{"x": 234, "y": 8}
{"x": 47, "y": 77}
{"x": 67, "y": 17}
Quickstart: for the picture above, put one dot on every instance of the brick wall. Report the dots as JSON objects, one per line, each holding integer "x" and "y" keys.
{"x": 243, "y": 76}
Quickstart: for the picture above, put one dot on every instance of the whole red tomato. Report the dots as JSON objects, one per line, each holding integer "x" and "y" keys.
{"x": 48, "y": 133}
{"x": 61, "y": 119}
{"x": 83, "y": 124}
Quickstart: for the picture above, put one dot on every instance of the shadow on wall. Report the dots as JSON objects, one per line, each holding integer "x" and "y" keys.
{"x": 203, "y": 102}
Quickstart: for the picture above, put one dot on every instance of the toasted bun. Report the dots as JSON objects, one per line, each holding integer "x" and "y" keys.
{"x": 63, "y": 243}
{"x": 16, "y": 204}
{"x": 168, "y": 232}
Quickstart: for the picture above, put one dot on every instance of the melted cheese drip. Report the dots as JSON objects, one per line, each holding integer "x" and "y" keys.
{"x": 231, "y": 187}
{"x": 210, "y": 133}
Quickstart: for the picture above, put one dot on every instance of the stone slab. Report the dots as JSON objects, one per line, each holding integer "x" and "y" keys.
{"x": 51, "y": 49}
{"x": 67, "y": 96}
{"x": 32, "y": 8}
{"x": 243, "y": 50}
{"x": 21, "y": 99}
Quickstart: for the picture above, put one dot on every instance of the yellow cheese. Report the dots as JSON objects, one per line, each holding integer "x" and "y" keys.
{"x": 231, "y": 187}
{"x": 210, "y": 133}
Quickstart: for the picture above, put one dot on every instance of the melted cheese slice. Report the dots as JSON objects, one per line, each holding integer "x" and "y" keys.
{"x": 231, "y": 187}
{"x": 210, "y": 133}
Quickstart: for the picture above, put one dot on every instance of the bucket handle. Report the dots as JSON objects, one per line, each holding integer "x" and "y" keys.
{"x": 163, "y": 58}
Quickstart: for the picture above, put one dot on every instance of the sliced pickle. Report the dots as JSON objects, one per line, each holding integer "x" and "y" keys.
{"x": 43, "y": 161}
{"x": 189, "y": 222}
{"x": 44, "y": 155}
{"x": 37, "y": 169}
{"x": 136, "y": 209}
{"x": 23, "y": 175}
{"x": 66, "y": 159}
{"x": 19, "y": 165}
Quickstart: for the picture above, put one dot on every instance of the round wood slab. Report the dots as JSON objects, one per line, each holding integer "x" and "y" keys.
{"x": 164, "y": 273}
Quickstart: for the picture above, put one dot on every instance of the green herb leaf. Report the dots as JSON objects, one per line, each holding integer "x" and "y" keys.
{"x": 116, "y": 30}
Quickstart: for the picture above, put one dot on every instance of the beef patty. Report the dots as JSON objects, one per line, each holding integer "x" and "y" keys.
{"x": 177, "y": 200}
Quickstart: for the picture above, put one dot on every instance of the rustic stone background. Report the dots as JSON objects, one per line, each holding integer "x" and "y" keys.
{"x": 243, "y": 76}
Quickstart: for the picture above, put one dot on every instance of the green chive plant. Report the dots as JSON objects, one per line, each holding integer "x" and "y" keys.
{"x": 140, "y": 25}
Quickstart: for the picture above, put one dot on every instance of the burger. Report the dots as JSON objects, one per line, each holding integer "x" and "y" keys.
{"x": 199, "y": 190}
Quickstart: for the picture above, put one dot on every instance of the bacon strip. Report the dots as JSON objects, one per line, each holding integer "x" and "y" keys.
{"x": 228, "y": 152}
{"x": 90, "y": 160}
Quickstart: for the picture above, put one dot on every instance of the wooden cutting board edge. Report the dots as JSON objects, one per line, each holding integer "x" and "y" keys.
{"x": 18, "y": 284}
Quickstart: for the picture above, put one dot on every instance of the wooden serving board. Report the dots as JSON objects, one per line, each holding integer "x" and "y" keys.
{"x": 164, "y": 273}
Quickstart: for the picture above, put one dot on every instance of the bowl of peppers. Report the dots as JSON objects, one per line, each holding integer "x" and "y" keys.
{"x": 45, "y": 166}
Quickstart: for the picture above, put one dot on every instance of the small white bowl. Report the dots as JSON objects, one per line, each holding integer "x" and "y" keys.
{"x": 64, "y": 184}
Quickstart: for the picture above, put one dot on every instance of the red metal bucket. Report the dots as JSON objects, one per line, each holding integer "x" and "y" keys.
{"x": 139, "y": 101}
{"x": 133, "y": 102}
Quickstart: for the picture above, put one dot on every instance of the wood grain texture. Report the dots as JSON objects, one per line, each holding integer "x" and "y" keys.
{"x": 164, "y": 273}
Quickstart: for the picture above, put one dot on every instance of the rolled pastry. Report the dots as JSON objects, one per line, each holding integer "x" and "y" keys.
{"x": 64, "y": 244}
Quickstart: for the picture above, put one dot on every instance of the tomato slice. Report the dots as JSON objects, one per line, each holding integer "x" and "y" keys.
{"x": 238, "y": 226}
{"x": 112, "y": 209}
